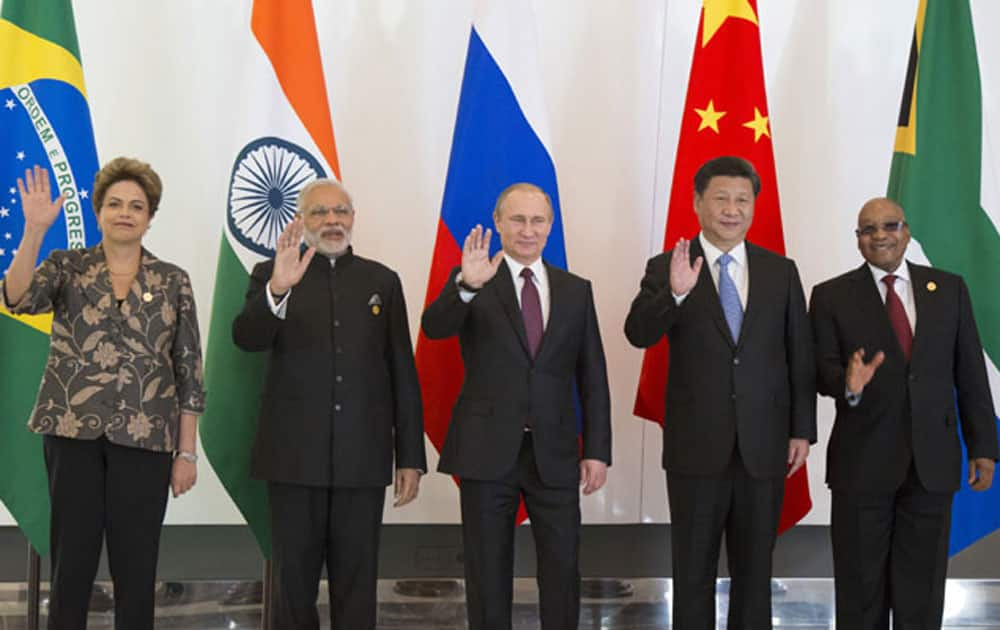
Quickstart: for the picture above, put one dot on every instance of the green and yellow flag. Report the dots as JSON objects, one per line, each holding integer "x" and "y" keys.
{"x": 936, "y": 177}
{"x": 44, "y": 119}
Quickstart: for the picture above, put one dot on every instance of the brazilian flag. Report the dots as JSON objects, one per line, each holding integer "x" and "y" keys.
{"x": 936, "y": 176}
{"x": 44, "y": 119}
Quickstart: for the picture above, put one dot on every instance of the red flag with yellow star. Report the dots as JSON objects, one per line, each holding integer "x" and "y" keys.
{"x": 725, "y": 113}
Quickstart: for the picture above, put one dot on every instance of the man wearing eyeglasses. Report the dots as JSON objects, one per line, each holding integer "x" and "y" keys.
{"x": 341, "y": 399}
{"x": 897, "y": 348}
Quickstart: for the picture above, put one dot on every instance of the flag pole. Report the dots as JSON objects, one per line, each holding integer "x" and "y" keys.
{"x": 268, "y": 597}
{"x": 34, "y": 586}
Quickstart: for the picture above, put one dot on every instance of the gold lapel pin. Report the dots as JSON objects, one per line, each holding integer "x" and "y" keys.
{"x": 375, "y": 309}
{"x": 147, "y": 297}
{"x": 932, "y": 286}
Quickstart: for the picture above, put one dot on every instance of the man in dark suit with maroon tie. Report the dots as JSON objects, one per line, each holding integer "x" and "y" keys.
{"x": 530, "y": 341}
{"x": 897, "y": 348}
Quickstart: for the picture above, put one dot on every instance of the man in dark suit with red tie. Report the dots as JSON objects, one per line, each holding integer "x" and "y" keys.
{"x": 897, "y": 348}
{"x": 741, "y": 400}
{"x": 530, "y": 342}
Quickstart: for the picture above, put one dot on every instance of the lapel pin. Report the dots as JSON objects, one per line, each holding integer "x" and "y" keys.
{"x": 932, "y": 286}
{"x": 375, "y": 302}
{"x": 147, "y": 297}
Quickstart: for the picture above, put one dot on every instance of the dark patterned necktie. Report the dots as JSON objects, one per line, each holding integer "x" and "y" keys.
{"x": 897, "y": 316}
{"x": 531, "y": 311}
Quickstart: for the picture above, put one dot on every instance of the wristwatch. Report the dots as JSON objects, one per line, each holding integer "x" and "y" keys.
{"x": 186, "y": 456}
{"x": 463, "y": 285}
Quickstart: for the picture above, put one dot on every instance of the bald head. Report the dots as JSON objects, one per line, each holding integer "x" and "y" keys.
{"x": 882, "y": 233}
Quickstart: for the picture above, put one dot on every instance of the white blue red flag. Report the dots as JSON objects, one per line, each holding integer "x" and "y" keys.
{"x": 501, "y": 137}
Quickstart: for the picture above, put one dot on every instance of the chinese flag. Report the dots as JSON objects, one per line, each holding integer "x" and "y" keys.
{"x": 725, "y": 113}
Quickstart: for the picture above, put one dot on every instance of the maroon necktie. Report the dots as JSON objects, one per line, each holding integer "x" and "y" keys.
{"x": 531, "y": 311}
{"x": 897, "y": 316}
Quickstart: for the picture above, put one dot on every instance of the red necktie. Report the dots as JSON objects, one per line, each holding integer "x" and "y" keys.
{"x": 531, "y": 311}
{"x": 897, "y": 316}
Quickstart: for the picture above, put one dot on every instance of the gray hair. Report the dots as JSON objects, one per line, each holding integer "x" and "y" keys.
{"x": 316, "y": 183}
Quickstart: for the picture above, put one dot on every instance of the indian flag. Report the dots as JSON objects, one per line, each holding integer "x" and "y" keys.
{"x": 280, "y": 138}
{"x": 936, "y": 176}
{"x": 45, "y": 120}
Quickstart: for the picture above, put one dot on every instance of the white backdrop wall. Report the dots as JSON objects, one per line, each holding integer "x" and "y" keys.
{"x": 615, "y": 76}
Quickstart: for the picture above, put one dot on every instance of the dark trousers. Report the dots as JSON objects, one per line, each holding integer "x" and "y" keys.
{"x": 701, "y": 509}
{"x": 489, "y": 512}
{"x": 338, "y": 526}
{"x": 100, "y": 490}
{"x": 890, "y": 551}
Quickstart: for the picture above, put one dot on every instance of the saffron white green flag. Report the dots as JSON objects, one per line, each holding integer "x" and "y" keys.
{"x": 280, "y": 137}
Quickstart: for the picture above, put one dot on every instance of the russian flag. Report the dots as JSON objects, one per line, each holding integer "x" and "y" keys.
{"x": 501, "y": 137}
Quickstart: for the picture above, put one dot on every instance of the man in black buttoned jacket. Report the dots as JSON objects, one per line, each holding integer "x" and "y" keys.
{"x": 894, "y": 458}
{"x": 529, "y": 337}
{"x": 341, "y": 398}
{"x": 741, "y": 399}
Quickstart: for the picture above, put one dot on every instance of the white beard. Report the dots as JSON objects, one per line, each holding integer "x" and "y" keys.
{"x": 313, "y": 239}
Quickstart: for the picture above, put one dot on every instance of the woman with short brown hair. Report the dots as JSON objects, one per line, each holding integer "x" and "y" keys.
{"x": 121, "y": 393}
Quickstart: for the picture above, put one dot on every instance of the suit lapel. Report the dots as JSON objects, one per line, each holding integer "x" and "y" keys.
{"x": 96, "y": 279}
{"x": 755, "y": 276}
{"x": 705, "y": 292}
{"x": 99, "y": 290}
{"x": 557, "y": 306}
{"x": 922, "y": 303}
{"x": 503, "y": 288}
{"x": 869, "y": 301}
{"x": 139, "y": 293}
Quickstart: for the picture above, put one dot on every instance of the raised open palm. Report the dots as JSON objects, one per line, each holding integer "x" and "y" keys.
{"x": 40, "y": 209}
{"x": 683, "y": 275}
{"x": 289, "y": 265}
{"x": 477, "y": 266}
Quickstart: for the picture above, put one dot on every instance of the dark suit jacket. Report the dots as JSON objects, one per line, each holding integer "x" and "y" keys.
{"x": 905, "y": 405}
{"x": 341, "y": 392}
{"x": 757, "y": 392}
{"x": 504, "y": 389}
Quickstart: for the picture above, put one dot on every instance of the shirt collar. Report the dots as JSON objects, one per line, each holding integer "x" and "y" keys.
{"x": 902, "y": 272}
{"x": 712, "y": 253}
{"x": 537, "y": 267}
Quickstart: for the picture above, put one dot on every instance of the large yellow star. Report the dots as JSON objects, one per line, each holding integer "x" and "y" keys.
{"x": 709, "y": 117}
{"x": 758, "y": 124}
{"x": 718, "y": 11}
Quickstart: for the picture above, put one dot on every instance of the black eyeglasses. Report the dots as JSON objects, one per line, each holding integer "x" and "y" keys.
{"x": 888, "y": 227}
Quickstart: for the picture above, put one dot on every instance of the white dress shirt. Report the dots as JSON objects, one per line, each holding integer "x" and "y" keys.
{"x": 903, "y": 287}
{"x": 737, "y": 268}
{"x": 540, "y": 278}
